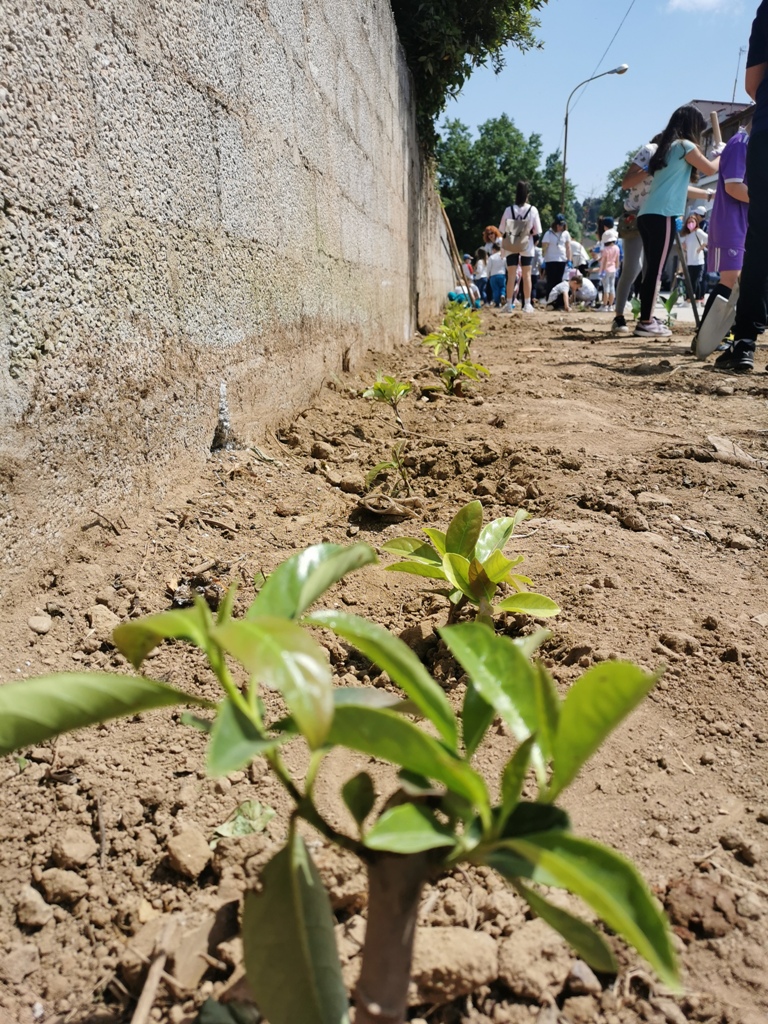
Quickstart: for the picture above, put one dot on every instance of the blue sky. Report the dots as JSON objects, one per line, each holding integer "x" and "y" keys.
{"x": 677, "y": 51}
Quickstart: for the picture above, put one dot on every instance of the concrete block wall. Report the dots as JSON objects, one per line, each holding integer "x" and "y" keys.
{"x": 194, "y": 191}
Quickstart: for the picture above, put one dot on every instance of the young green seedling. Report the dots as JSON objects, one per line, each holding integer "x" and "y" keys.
{"x": 440, "y": 814}
{"x": 452, "y": 376}
{"x": 470, "y": 557}
{"x": 454, "y": 337}
{"x": 390, "y": 391}
{"x": 395, "y": 462}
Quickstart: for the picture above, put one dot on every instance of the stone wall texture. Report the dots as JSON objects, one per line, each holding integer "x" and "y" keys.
{"x": 194, "y": 191}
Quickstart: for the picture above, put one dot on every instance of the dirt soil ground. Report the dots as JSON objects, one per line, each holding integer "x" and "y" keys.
{"x": 645, "y": 476}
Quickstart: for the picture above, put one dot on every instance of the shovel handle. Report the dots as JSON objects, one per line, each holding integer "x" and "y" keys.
{"x": 716, "y": 134}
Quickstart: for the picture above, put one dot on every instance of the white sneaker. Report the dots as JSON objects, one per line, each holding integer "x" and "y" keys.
{"x": 655, "y": 329}
{"x": 528, "y": 308}
{"x": 509, "y": 308}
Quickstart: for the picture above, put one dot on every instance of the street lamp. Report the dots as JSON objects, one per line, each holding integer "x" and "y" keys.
{"x": 614, "y": 71}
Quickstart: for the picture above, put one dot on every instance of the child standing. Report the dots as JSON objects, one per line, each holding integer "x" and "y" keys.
{"x": 497, "y": 274}
{"x": 481, "y": 275}
{"x": 671, "y": 165}
{"x": 610, "y": 261}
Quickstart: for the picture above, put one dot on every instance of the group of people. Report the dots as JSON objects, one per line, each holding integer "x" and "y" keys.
{"x": 659, "y": 188}
{"x": 516, "y": 256}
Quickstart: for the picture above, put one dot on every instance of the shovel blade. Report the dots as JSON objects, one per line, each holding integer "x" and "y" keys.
{"x": 716, "y": 324}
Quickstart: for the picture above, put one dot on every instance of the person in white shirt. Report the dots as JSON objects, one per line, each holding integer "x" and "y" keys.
{"x": 496, "y": 266}
{"x": 576, "y": 288}
{"x": 556, "y": 249}
{"x": 521, "y": 211}
{"x": 480, "y": 276}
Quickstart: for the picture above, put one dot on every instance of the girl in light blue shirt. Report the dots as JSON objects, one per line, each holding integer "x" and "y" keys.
{"x": 671, "y": 165}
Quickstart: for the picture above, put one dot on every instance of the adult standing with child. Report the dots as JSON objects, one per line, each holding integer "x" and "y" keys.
{"x": 522, "y": 220}
{"x": 672, "y": 164}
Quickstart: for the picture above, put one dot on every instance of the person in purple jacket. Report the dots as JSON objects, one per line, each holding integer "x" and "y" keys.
{"x": 728, "y": 222}
{"x": 752, "y": 307}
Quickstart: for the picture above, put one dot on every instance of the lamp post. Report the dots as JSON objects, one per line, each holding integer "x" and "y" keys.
{"x": 614, "y": 71}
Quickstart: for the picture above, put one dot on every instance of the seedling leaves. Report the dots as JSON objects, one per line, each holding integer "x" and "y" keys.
{"x": 609, "y": 884}
{"x": 136, "y": 639}
{"x": 585, "y": 940}
{"x": 408, "y": 828}
{"x": 359, "y": 796}
{"x": 398, "y": 661}
{"x": 464, "y": 529}
{"x": 37, "y": 709}
{"x": 593, "y": 707}
{"x": 235, "y": 741}
{"x": 284, "y": 657}
{"x": 289, "y": 943}
{"x": 249, "y": 818}
{"x": 304, "y": 577}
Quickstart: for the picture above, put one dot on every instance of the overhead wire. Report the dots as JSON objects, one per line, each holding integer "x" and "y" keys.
{"x": 605, "y": 52}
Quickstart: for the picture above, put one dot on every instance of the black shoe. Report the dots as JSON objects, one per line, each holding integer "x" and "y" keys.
{"x": 738, "y": 358}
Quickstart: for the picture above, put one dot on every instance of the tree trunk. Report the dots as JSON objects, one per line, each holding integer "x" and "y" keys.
{"x": 394, "y": 889}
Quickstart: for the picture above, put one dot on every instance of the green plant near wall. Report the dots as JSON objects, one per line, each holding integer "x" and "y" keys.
{"x": 440, "y": 814}
{"x": 470, "y": 558}
{"x": 445, "y": 40}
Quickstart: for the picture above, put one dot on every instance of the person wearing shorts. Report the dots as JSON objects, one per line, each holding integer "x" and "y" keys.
{"x": 521, "y": 208}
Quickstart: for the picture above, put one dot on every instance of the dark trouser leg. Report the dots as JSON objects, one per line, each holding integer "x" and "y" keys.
{"x": 753, "y": 295}
{"x": 555, "y": 273}
{"x": 656, "y": 233}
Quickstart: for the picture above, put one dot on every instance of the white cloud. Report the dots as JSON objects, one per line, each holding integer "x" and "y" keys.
{"x": 700, "y": 6}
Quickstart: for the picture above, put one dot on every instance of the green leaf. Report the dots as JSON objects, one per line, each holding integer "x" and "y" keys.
{"x": 513, "y": 778}
{"x": 499, "y": 671}
{"x": 476, "y": 717}
{"x": 456, "y": 569}
{"x": 414, "y": 548}
{"x": 464, "y": 529}
{"x": 248, "y": 818}
{"x": 494, "y": 537}
{"x": 432, "y": 572}
{"x": 530, "y": 644}
{"x": 498, "y": 568}
{"x": 479, "y": 582}
{"x": 399, "y": 662}
{"x": 592, "y": 709}
{"x": 289, "y": 944}
{"x": 304, "y": 577}
{"x": 585, "y": 940}
{"x": 437, "y": 537}
{"x": 610, "y": 885}
{"x": 547, "y": 710}
{"x": 235, "y": 741}
{"x": 381, "y": 467}
{"x": 227, "y": 604}
{"x": 136, "y": 639}
{"x": 359, "y": 795}
{"x": 34, "y": 710}
{"x": 532, "y": 817}
{"x": 527, "y": 603}
{"x": 408, "y": 828}
{"x": 383, "y": 734}
{"x": 284, "y": 657}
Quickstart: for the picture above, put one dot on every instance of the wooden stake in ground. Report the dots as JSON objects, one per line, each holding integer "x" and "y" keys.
{"x": 455, "y": 250}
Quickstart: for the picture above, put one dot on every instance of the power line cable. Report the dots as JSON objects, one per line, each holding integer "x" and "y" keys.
{"x": 605, "y": 52}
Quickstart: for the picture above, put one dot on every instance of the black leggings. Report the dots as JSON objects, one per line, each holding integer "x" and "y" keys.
{"x": 657, "y": 233}
{"x": 555, "y": 273}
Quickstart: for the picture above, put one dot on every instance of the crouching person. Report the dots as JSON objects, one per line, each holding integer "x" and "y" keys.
{"x": 576, "y": 289}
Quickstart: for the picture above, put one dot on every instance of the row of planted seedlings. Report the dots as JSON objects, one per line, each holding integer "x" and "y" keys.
{"x": 440, "y": 814}
{"x": 451, "y": 346}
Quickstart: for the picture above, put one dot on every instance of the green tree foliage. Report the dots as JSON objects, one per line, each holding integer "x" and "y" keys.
{"x": 477, "y": 177}
{"x": 445, "y": 40}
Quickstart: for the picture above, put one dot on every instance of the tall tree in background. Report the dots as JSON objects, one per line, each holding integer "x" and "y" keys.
{"x": 612, "y": 202}
{"x": 445, "y": 40}
{"x": 477, "y": 177}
